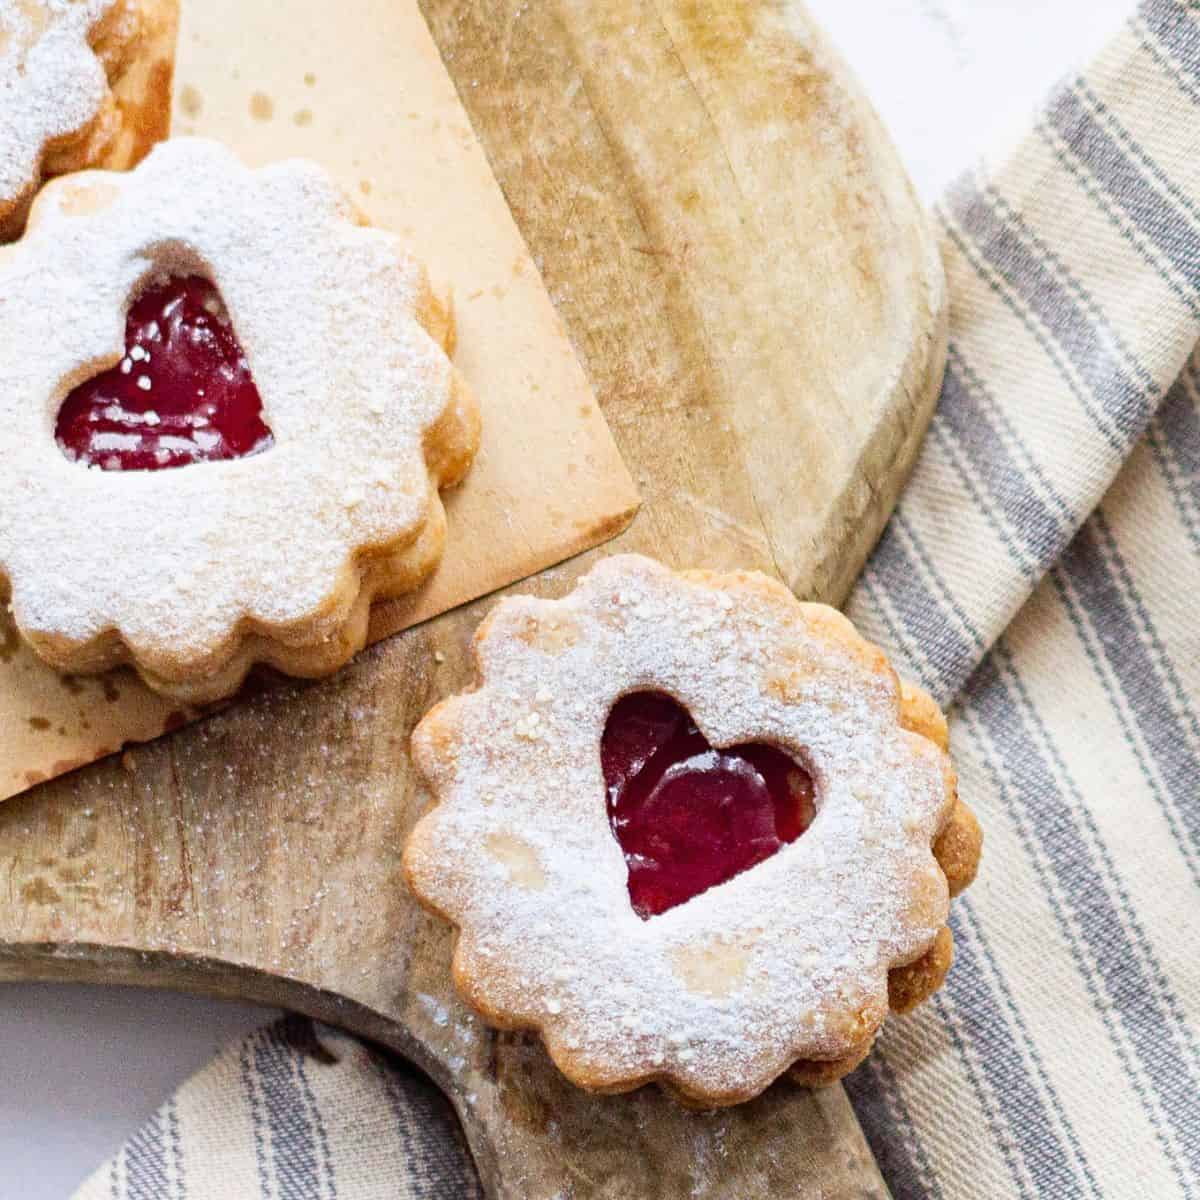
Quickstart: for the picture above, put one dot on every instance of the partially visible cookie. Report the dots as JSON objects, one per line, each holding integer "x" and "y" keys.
{"x": 692, "y": 831}
{"x": 83, "y": 83}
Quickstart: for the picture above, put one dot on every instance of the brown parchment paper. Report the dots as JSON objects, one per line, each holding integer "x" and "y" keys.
{"x": 359, "y": 86}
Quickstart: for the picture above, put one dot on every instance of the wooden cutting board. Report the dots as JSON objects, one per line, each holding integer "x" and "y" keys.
{"x": 756, "y": 298}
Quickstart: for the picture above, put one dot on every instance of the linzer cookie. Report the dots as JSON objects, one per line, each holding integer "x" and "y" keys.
{"x": 226, "y": 410}
{"x": 83, "y": 83}
{"x": 692, "y": 831}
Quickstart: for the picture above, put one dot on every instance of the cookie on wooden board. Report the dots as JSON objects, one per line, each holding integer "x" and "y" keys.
{"x": 691, "y": 831}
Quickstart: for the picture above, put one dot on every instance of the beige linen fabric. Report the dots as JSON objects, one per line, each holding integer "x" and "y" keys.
{"x": 295, "y": 1111}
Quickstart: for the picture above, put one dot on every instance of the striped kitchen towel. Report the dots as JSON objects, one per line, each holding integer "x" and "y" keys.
{"x": 295, "y": 1112}
{"x": 1042, "y": 572}
{"x": 1043, "y": 569}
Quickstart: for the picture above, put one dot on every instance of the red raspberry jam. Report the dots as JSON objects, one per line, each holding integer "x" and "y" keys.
{"x": 688, "y": 817}
{"x": 182, "y": 394}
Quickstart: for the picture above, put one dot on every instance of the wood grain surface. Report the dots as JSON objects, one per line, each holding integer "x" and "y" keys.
{"x": 756, "y": 298}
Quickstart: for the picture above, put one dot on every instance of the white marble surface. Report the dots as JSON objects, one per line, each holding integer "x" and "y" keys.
{"x": 953, "y": 78}
{"x": 80, "y": 1068}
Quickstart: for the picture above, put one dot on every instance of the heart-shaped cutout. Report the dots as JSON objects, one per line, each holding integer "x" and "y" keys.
{"x": 688, "y": 816}
{"x": 182, "y": 394}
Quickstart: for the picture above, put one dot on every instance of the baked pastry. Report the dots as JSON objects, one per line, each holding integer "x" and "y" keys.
{"x": 83, "y": 83}
{"x": 302, "y": 435}
{"x": 707, "y": 898}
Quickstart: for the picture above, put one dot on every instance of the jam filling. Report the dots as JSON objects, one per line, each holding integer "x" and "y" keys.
{"x": 182, "y": 394}
{"x": 688, "y": 816}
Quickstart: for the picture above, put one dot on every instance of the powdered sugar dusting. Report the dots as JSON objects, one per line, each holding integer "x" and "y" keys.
{"x": 786, "y": 961}
{"x": 180, "y": 561}
{"x": 51, "y": 83}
